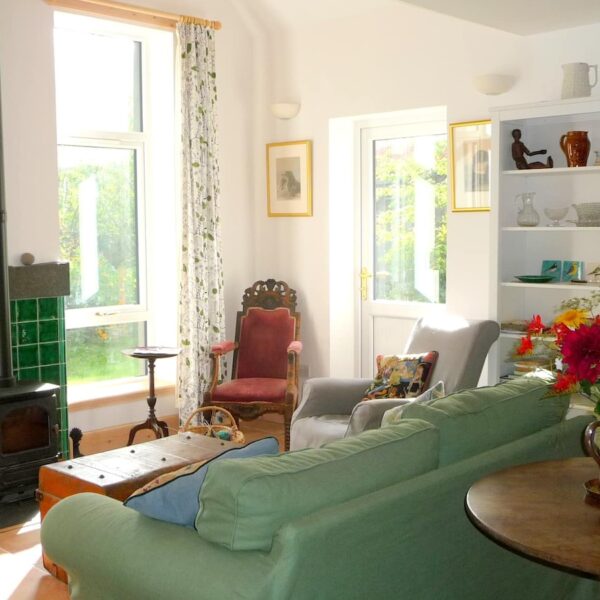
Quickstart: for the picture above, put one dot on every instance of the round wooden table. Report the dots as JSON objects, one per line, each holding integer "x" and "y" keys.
{"x": 540, "y": 510}
{"x": 151, "y": 354}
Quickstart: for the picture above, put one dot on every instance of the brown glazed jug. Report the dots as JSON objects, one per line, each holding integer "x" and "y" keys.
{"x": 589, "y": 441}
{"x": 576, "y": 146}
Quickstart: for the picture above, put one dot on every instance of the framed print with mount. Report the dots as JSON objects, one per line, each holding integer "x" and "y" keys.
{"x": 289, "y": 179}
{"x": 470, "y": 160}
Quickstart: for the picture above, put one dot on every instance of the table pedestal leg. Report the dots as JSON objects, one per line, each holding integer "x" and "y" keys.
{"x": 158, "y": 427}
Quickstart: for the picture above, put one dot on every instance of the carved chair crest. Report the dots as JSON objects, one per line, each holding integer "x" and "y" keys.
{"x": 269, "y": 294}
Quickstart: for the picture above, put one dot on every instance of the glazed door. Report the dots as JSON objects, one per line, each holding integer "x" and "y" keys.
{"x": 403, "y": 233}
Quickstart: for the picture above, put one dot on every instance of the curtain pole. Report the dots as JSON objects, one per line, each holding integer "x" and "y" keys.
{"x": 129, "y": 12}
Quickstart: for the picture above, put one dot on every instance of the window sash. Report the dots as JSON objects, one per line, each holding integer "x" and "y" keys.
{"x": 106, "y": 314}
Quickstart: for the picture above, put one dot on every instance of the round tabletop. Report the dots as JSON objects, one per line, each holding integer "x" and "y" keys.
{"x": 152, "y": 352}
{"x": 540, "y": 510}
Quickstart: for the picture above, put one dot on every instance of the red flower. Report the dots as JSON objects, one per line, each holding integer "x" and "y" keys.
{"x": 565, "y": 383}
{"x": 560, "y": 330}
{"x": 536, "y": 325}
{"x": 525, "y": 347}
{"x": 581, "y": 352}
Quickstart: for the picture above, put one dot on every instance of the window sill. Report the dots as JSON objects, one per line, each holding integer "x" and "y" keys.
{"x": 95, "y": 395}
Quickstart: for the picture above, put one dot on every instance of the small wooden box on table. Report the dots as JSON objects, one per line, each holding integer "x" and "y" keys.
{"x": 118, "y": 473}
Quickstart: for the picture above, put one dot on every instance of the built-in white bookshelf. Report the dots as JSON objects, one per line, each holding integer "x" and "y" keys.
{"x": 521, "y": 250}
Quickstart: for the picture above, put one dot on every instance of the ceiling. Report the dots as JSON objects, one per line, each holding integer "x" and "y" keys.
{"x": 522, "y": 17}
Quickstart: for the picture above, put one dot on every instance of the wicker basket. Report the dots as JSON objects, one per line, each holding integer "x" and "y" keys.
{"x": 215, "y": 422}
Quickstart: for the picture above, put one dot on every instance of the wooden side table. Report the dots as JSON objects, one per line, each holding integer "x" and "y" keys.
{"x": 151, "y": 354}
{"x": 540, "y": 510}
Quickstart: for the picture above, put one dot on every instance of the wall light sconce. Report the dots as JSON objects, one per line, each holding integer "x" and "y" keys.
{"x": 285, "y": 110}
{"x": 493, "y": 83}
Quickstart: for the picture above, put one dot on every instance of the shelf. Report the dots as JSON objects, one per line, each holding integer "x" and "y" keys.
{"x": 553, "y": 229}
{"x": 563, "y": 285}
{"x": 517, "y": 335}
{"x": 553, "y": 171}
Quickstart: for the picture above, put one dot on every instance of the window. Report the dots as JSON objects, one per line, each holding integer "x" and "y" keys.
{"x": 114, "y": 122}
{"x": 408, "y": 204}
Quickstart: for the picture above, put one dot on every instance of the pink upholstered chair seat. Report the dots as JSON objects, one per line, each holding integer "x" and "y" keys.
{"x": 251, "y": 389}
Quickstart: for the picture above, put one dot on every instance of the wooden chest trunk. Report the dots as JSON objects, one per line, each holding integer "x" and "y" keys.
{"x": 118, "y": 473}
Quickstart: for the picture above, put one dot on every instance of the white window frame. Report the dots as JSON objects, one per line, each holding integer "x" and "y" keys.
{"x": 152, "y": 216}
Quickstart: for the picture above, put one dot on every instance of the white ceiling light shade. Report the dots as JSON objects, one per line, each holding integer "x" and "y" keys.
{"x": 285, "y": 110}
{"x": 493, "y": 84}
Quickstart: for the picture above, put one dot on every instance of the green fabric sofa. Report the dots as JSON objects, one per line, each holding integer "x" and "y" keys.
{"x": 379, "y": 515}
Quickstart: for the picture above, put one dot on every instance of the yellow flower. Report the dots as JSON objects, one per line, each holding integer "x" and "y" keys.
{"x": 572, "y": 318}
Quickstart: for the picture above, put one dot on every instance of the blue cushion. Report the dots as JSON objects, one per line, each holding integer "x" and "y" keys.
{"x": 173, "y": 497}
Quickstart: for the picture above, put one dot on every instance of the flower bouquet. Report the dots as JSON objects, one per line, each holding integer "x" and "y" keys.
{"x": 572, "y": 343}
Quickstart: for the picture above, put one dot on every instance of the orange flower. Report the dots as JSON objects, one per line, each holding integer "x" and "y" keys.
{"x": 572, "y": 318}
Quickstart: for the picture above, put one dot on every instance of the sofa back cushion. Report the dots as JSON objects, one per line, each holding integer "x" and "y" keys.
{"x": 479, "y": 419}
{"x": 243, "y": 503}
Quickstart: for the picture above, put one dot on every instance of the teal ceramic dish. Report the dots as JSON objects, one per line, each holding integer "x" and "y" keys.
{"x": 534, "y": 278}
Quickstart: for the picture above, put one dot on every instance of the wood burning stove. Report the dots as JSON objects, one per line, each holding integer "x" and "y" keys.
{"x": 28, "y": 437}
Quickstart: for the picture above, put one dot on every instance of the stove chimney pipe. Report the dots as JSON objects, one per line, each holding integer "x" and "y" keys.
{"x": 6, "y": 364}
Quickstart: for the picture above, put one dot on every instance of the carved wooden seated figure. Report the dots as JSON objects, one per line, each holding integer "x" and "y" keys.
{"x": 264, "y": 376}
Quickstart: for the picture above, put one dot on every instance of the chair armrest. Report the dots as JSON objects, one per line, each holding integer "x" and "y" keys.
{"x": 368, "y": 414}
{"x": 330, "y": 396}
{"x": 295, "y": 347}
{"x": 223, "y": 347}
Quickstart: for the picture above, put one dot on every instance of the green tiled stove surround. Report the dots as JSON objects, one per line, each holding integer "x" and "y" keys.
{"x": 38, "y": 348}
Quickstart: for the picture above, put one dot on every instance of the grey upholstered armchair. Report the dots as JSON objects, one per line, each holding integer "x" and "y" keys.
{"x": 331, "y": 408}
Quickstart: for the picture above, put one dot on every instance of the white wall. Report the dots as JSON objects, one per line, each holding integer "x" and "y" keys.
{"x": 391, "y": 59}
{"x": 29, "y": 129}
{"x": 395, "y": 58}
{"x": 27, "y": 81}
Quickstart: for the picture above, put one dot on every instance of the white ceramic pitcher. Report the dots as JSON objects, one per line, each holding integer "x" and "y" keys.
{"x": 576, "y": 80}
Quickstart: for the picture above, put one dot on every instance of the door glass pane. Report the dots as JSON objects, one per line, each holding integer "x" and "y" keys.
{"x": 98, "y": 225}
{"x": 410, "y": 198}
{"x": 98, "y": 82}
{"x": 94, "y": 353}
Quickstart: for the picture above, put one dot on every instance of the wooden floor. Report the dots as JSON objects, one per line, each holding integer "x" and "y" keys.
{"x": 22, "y": 575}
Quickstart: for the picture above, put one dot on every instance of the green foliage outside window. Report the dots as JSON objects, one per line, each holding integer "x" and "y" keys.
{"x": 398, "y": 174}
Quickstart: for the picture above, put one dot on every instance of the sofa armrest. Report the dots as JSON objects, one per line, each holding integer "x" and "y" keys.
{"x": 117, "y": 542}
{"x": 330, "y": 396}
{"x": 368, "y": 414}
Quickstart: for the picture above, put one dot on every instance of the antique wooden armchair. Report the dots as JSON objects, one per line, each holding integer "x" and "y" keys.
{"x": 264, "y": 376}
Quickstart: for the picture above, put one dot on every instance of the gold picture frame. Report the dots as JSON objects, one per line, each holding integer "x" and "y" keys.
{"x": 289, "y": 179}
{"x": 470, "y": 160}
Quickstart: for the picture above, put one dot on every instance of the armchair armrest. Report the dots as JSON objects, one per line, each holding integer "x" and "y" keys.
{"x": 330, "y": 395}
{"x": 295, "y": 347}
{"x": 368, "y": 414}
{"x": 223, "y": 347}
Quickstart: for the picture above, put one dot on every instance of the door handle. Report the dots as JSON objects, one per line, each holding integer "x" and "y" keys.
{"x": 365, "y": 275}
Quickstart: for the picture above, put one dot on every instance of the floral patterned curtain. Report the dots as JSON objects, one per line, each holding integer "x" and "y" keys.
{"x": 201, "y": 304}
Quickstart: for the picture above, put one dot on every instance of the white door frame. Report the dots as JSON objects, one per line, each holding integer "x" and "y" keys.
{"x": 344, "y": 231}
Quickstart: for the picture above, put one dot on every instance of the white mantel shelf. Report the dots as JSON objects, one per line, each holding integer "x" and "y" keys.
{"x": 553, "y": 171}
{"x": 548, "y": 228}
{"x": 554, "y": 286}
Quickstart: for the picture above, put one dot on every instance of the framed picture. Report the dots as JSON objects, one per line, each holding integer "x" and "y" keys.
{"x": 552, "y": 268}
{"x": 470, "y": 160}
{"x": 289, "y": 179}
{"x": 592, "y": 272}
{"x": 572, "y": 270}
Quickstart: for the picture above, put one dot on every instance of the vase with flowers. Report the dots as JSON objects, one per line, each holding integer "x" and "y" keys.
{"x": 572, "y": 344}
